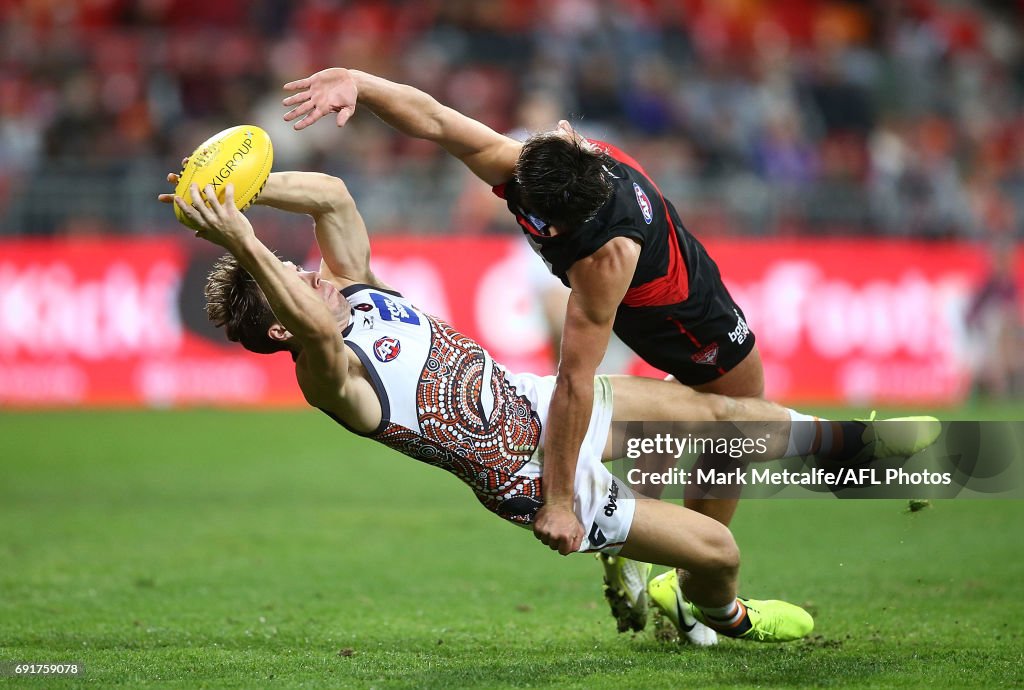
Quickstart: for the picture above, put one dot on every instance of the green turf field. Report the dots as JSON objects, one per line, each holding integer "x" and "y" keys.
{"x": 273, "y": 550}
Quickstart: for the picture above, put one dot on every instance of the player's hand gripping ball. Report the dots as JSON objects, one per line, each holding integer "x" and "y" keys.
{"x": 241, "y": 156}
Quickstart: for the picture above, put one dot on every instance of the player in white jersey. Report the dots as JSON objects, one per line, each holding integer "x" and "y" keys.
{"x": 371, "y": 360}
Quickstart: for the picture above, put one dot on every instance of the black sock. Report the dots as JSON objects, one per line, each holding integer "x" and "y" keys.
{"x": 847, "y": 442}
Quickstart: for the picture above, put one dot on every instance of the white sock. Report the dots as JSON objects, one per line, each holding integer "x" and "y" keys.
{"x": 803, "y": 429}
{"x": 724, "y": 616}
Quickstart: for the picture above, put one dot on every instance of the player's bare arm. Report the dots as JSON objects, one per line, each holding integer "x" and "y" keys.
{"x": 302, "y": 313}
{"x": 340, "y": 231}
{"x": 598, "y": 283}
{"x": 339, "y": 228}
{"x": 491, "y": 156}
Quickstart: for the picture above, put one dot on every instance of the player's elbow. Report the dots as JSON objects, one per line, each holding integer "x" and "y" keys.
{"x": 334, "y": 194}
{"x": 575, "y": 382}
{"x": 440, "y": 122}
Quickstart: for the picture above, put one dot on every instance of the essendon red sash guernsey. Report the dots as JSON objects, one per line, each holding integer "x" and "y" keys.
{"x": 636, "y": 210}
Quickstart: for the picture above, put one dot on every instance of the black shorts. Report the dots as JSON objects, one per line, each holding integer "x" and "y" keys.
{"x": 696, "y": 341}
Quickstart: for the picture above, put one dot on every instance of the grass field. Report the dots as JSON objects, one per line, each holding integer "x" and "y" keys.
{"x": 251, "y": 550}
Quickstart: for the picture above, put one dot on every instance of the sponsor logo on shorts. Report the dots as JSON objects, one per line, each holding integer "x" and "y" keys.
{"x": 596, "y": 536}
{"x": 707, "y": 355}
{"x": 613, "y": 500}
{"x": 386, "y": 349}
{"x": 645, "y": 203}
{"x": 740, "y": 333}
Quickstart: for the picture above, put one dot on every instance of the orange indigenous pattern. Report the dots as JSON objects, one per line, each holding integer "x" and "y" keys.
{"x": 455, "y": 435}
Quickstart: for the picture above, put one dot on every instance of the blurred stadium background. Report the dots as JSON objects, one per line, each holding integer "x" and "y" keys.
{"x": 857, "y": 168}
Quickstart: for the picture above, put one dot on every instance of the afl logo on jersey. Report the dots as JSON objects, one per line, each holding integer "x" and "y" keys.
{"x": 645, "y": 203}
{"x": 386, "y": 349}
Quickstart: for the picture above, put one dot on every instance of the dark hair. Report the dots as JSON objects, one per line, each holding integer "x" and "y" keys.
{"x": 235, "y": 301}
{"x": 562, "y": 179}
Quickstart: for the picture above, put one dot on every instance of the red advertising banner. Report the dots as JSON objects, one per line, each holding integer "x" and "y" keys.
{"x": 98, "y": 322}
{"x": 109, "y": 321}
{"x": 853, "y": 321}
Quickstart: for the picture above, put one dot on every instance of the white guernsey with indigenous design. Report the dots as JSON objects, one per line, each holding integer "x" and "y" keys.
{"x": 446, "y": 402}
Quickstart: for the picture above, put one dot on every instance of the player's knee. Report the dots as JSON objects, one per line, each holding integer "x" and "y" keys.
{"x": 722, "y": 408}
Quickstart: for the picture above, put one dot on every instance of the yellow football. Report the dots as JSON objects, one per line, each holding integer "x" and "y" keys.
{"x": 241, "y": 156}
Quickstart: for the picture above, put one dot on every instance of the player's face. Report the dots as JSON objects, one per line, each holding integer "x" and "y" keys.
{"x": 327, "y": 291}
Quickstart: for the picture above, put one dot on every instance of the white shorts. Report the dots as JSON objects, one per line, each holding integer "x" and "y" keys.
{"x": 604, "y": 505}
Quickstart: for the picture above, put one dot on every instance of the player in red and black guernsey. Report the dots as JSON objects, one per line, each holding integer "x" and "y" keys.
{"x": 606, "y": 231}
{"x": 676, "y": 314}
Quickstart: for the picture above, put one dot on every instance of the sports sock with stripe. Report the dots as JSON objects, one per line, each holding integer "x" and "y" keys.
{"x": 810, "y": 435}
{"x": 731, "y": 620}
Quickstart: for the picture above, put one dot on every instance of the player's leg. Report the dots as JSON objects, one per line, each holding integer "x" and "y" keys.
{"x": 745, "y": 380}
{"x": 666, "y": 534}
{"x": 641, "y": 399}
{"x": 792, "y": 433}
{"x": 649, "y": 400}
{"x": 677, "y": 537}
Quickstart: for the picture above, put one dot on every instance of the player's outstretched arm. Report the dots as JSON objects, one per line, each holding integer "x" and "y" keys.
{"x": 339, "y": 227}
{"x": 299, "y": 309}
{"x": 598, "y": 284}
{"x": 490, "y": 155}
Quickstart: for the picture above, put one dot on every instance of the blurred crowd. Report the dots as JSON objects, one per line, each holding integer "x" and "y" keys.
{"x": 899, "y": 117}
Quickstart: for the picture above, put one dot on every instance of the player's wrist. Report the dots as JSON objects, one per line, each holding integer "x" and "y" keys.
{"x": 245, "y": 247}
{"x": 271, "y": 189}
{"x": 560, "y": 501}
{"x": 359, "y": 79}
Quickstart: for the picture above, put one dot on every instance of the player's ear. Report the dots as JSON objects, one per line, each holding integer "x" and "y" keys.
{"x": 278, "y": 332}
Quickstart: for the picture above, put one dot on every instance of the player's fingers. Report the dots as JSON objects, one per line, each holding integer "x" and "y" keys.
{"x": 577, "y": 542}
{"x": 297, "y": 84}
{"x": 299, "y": 111}
{"x": 199, "y": 205}
{"x": 296, "y": 98}
{"x": 190, "y": 211}
{"x": 313, "y": 116}
{"x": 165, "y": 198}
{"x": 344, "y": 114}
{"x": 184, "y": 162}
{"x": 173, "y": 178}
{"x": 229, "y": 197}
{"x": 213, "y": 201}
{"x": 197, "y": 198}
